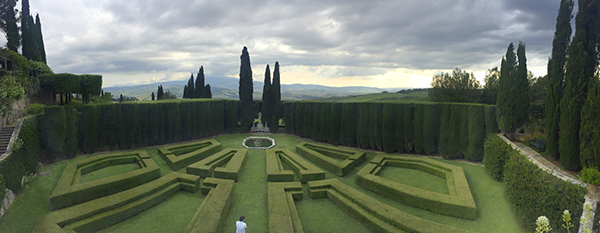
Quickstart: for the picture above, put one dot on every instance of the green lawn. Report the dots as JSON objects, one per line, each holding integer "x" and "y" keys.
{"x": 250, "y": 198}
{"x": 415, "y": 178}
{"x": 109, "y": 171}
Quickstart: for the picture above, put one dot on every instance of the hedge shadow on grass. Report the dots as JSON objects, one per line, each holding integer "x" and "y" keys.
{"x": 337, "y": 160}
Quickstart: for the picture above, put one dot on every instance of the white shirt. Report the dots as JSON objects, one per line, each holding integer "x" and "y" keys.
{"x": 241, "y": 227}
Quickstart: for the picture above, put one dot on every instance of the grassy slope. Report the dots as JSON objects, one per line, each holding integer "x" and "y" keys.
{"x": 419, "y": 95}
{"x": 494, "y": 212}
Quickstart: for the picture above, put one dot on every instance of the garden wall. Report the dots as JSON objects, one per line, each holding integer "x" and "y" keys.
{"x": 455, "y": 130}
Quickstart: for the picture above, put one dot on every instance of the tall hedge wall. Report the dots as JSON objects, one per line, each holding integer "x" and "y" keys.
{"x": 24, "y": 159}
{"x": 92, "y": 128}
{"x": 453, "y": 130}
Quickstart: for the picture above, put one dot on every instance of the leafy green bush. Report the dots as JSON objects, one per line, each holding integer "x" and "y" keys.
{"x": 534, "y": 192}
{"x": 2, "y": 189}
{"x": 71, "y": 133}
{"x": 35, "y": 109}
{"x": 41, "y": 67}
{"x": 590, "y": 175}
{"x": 495, "y": 154}
{"x": 476, "y": 132}
{"x": 24, "y": 159}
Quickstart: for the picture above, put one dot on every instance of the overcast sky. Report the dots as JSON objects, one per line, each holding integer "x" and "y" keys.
{"x": 377, "y": 43}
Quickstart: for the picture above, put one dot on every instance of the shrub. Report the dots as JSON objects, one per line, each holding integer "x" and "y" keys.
{"x": 419, "y": 121}
{"x": 131, "y": 136}
{"x": 363, "y": 126}
{"x": 334, "y": 133}
{"x": 288, "y": 110}
{"x": 55, "y": 130}
{"x": 35, "y": 109}
{"x": 431, "y": 128}
{"x": 2, "y": 189}
{"x": 400, "y": 128}
{"x": 590, "y": 175}
{"x": 495, "y": 154}
{"x": 89, "y": 128}
{"x": 377, "y": 122}
{"x": 534, "y": 192}
{"x": 409, "y": 127}
{"x": 491, "y": 124}
{"x": 476, "y": 133}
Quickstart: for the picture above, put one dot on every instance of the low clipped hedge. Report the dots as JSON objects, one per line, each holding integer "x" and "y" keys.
{"x": 534, "y": 192}
{"x": 226, "y": 164}
{"x": 337, "y": 160}
{"x": 458, "y": 203}
{"x": 100, "y": 213}
{"x": 495, "y": 154}
{"x": 305, "y": 171}
{"x": 203, "y": 150}
{"x": 283, "y": 216}
{"x": 211, "y": 215}
{"x": 26, "y": 156}
{"x": 69, "y": 191}
{"x": 376, "y": 216}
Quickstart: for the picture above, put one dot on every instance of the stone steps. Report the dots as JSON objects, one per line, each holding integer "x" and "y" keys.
{"x": 5, "y": 135}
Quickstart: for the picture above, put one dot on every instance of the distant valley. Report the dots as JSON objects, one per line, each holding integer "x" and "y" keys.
{"x": 227, "y": 88}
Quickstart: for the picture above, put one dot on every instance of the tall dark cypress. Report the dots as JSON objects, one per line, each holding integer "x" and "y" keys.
{"x": 275, "y": 100}
{"x": 581, "y": 65}
{"x": 266, "y": 97}
{"x": 507, "y": 74}
{"x": 199, "y": 83}
{"x": 556, "y": 74}
{"x": 188, "y": 90}
{"x": 245, "y": 91}
{"x": 26, "y": 37}
{"x": 520, "y": 94}
{"x": 8, "y": 24}
{"x": 39, "y": 39}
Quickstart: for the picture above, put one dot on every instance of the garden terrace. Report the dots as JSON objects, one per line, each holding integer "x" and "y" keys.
{"x": 69, "y": 191}
{"x": 458, "y": 203}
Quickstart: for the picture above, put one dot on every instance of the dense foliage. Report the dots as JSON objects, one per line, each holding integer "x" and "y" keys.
{"x": 395, "y": 127}
{"x": 459, "y": 86}
{"x": 495, "y": 154}
{"x": 534, "y": 192}
{"x": 580, "y": 67}
{"x": 265, "y": 108}
{"x": 513, "y": 90}
{"x": 26, "y": 154}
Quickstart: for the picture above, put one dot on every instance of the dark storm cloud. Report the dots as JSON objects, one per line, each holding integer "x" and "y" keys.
{"x": 179, "y": 36}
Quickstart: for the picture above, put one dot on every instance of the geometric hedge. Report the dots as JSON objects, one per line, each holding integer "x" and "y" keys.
{"x": 226, "y": 164}
{"x": 337, "y": 160}
{"x": 201, "y": 149}
{"x": 458, "y": 203}
{"x": 69, "y": 191}
{"x": 276, "y": 172}
{"x": 283, "y": 216}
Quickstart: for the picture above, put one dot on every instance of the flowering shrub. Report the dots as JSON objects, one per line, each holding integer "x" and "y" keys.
{"x": 543, "y": 225}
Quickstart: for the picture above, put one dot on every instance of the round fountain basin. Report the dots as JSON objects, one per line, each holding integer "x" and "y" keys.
{"x": 258, "y": 143}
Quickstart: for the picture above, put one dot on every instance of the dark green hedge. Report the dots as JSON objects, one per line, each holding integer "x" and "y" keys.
{"x": 453, "y": 130}
{"x": 55, "y": 130}
{"x": 534, "y": 192}
{"x": 132, "y": 125}
{"x": 495, "y": 154}
{"x": 24, "y": 159}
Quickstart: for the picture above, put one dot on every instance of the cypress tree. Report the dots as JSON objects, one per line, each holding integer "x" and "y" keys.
{"x": 199, "y": 83}
{"x": 188, "y": 90}
{"x": 400, "y": 128}
{"x": 275, "y": 100}
{"x": 152, "y": 95}
{"x": 590, "y": 127}
{"x": 207, "y": 93}
{"x": 431, "y": 128}
{"x": 266, "y": 98}
{"x": 335, "y": 114}
{"x": 245, "y": 91}
{"x": 388, "y": 127}
{"x": 40, "y": 39}
{"x": 8, "y": 24}
{"x": 520, "y": 95}
{"x": 349, "y": 117}
{"x": 362, "y": 132}
{"x": 506, "y": 82}
{"x": 581, "y": 65}
{"x": 409, "y": 127}
{"x": 556, "y": 74}
{"x": 418, "y": 122}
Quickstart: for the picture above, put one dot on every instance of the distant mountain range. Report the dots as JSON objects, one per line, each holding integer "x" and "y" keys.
{"x": 227, "y": 88}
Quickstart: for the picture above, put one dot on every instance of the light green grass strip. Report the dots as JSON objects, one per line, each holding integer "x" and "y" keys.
{"x": 376, "y": 216}
{"x": 283, "y": 216}
{"x": 337, "y": 160}
{"x": 278, "y": 158}
{"x": 226, "y": 164}
{"x": 176, "y": 162}
{"x": 458, "y": 203}
{"x": 211, "y": 215}
{"x": 69, "y": 191}
{"x": 102, "y": 212}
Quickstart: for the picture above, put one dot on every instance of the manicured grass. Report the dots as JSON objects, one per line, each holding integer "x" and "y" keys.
{"x": 172, "y": 215}
{"x": 250, "y": 199}
{"x": 109, "y": 171}
{"x": 415, "y": 178}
